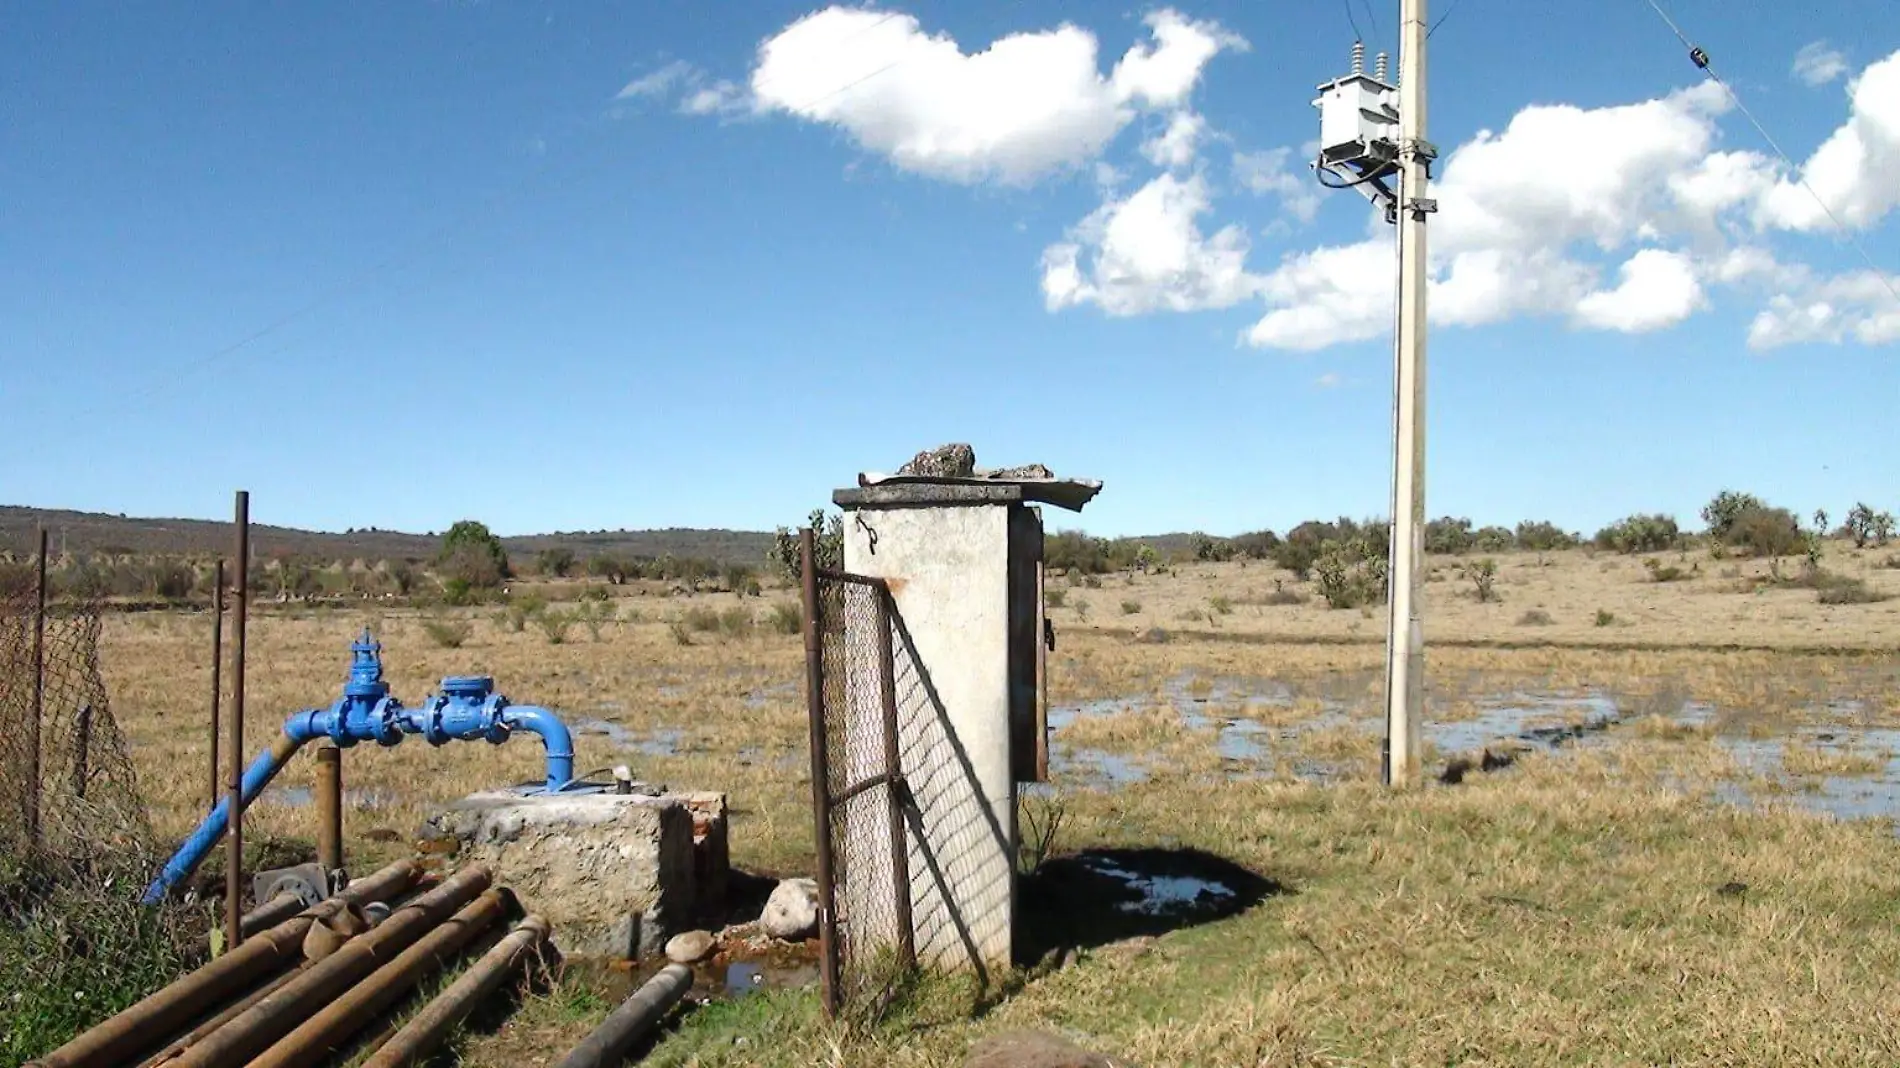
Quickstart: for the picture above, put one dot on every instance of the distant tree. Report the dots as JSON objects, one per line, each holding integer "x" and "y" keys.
{"x": 1493, "y": 540}
{"x": 1721, "y": 514}
{"x": 1212, "y": 549}
{"x": 1449, "y": 536}
{"x": 1765, "y": 531}
{"x": 1542, "y": 537}
{"x": 556, "y": 562}
{"x": 610, "y": 567}
{"x": 1258, "y": 544}
{"x": 1640, "y": 534}
{"x": 472, "y": 554}
{"x": 1868, "y": 527}
{"x": 828, "y": 547}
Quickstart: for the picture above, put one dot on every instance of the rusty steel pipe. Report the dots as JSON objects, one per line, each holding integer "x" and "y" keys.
{"x": 329, "y": 807}
{"x": 636, "y": 1016}
{"x": 217, "y": 670}
{"x": 255, "y": 1029}
{"x": 426, "y": 1030}
{"x": 234, "y": 756}
{"x": 177, "y": 1046}
{"x": 270, "y": 913}
{"x": 122, "y": 1038}
{"x": 315, "y": 1038}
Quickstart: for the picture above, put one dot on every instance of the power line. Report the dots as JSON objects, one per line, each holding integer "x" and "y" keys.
{"x": 1372, "y": 18}
{"x": 1440, "y": 21}
{"x": 1701, "y": 59}
{"x": 1354, "y": 20}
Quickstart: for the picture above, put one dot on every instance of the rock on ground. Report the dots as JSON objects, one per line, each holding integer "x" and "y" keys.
{"x": 1032, "y": 1049}
{"x": 690, "y": 947}
{"x": 791, "y": 913}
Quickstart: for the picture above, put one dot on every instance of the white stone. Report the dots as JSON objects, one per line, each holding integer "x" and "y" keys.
{"x": 791, "y": 913}
{"x": 690, "y": 947}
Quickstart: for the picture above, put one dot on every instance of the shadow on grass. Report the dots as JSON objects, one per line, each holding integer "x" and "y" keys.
{"x": 1099, "y": 896}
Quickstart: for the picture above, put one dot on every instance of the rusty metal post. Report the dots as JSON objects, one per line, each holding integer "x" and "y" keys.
{"x": 329, "y": 807}
{"x": 217, "y": 671}
{"x": 234, "y": 753}
{"x": 896, "y": 788}
{"x": 820, "y": 771}
{"x": 39, "y": 702}
{"x": 82, "y": 744}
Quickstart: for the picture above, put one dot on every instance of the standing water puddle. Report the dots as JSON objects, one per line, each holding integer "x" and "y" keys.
{"x": 662, "y": 742}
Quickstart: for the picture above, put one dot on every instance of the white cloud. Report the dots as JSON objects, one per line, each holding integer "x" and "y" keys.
{"x": 1329, "y": 380}
{"x": 719, "y": 98}
{"x": 1028, "y": 105}
{"x": 1819, "y": 63}
{"x": 1166, "y": 72}
{"x": 657, "y": 82}
{"x": 1268, "y": 174}
{"x": 1147, "y": 253}
{"x": 1174, "y": 147}
{"x": 1676, "y": 214}
{"x": 1657, "y": 289}
{"x": 1853, "y": 170}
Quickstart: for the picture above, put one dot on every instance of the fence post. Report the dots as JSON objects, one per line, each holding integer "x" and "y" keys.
{"x": 895, "y": 787}
{"x": 234, "y": 757}
{"x": 820, "y": 771}
{"x": 39, "y": 702}
{"x": 217, "y": 671}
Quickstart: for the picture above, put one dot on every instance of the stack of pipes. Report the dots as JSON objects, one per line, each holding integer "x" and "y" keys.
{"x": 309, "y": 981}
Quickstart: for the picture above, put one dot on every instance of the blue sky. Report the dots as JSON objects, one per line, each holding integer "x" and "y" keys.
{"x": 586, "y": 265}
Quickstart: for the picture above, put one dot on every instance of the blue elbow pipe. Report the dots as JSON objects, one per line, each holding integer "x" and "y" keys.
{"x": 464, "y": 708}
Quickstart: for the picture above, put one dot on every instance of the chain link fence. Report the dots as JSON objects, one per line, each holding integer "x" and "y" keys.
{"x": 70, "y": 810}
{"x": 863, "y": 805}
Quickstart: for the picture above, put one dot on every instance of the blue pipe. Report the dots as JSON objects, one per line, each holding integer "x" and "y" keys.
{"x": 464, "y": 708}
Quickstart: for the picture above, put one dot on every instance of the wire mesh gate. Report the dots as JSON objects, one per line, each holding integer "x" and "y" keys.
{"x": 867, "y": 937}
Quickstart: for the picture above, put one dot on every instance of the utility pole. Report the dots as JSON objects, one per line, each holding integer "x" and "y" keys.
{"x": 1405, "y": 634}
{"x": 1372, "y": 137}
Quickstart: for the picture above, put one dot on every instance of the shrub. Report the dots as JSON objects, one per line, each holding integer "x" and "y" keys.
{"x": 1129, "y": 608}
{"x": 1449, "y": 536}
{"x": 1639, "y": 534}
{"x": 1279, "y": 598}
{"x": 828, "y": 545}
{"x": 1148, "y": 559}
{"x": 681, "y": 635}
{"x": 787, "y": 618}
{"x": 1350, "y": 574}
{"x": 700, "y": 618}
{"x": 736, "y": 622}
{"x": 1764, "y": 531}
{"x": 1222, "y": 606}
{"x": 556, "y": 562}
{"x": 447, "y": 633}
{"x": 1076, "y": 553}
{"x": 1484, "y": 579}
{"x": 473, "y": 555}
{"x": 1605, "y": 617}
{"x": 1722, "y": 514}
{"x": 1868, "y": 527}
{"x": 1660, "y": 572}
{"x": 595, "y": 593}
{"x": 1892, "y": 562}
{"x": 1212, "y": 550}
{"x": 739, "y": 579}
{"x": 554, "y": 624}
{"x": 610, "y": 567}
{"x": 1054, "y": 598}
{"x": 1093, "y": 582}
{"x": 1534, "y": 617}
{"x": 1849, "y": 591}
{"x": 1542, "y": 537}
{"x": 1257, "y": 545}
{"x": 594, "y": 615}
{"x": 1494, "y": 540}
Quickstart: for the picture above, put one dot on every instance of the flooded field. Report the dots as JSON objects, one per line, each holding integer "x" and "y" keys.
{"x": 1834, "y": 754}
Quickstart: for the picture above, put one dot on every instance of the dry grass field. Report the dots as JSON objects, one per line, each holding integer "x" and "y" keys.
{"x": 1674, "y": 885}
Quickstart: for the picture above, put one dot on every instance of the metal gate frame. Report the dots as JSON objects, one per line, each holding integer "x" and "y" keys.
{"x": 827, "y": 799}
